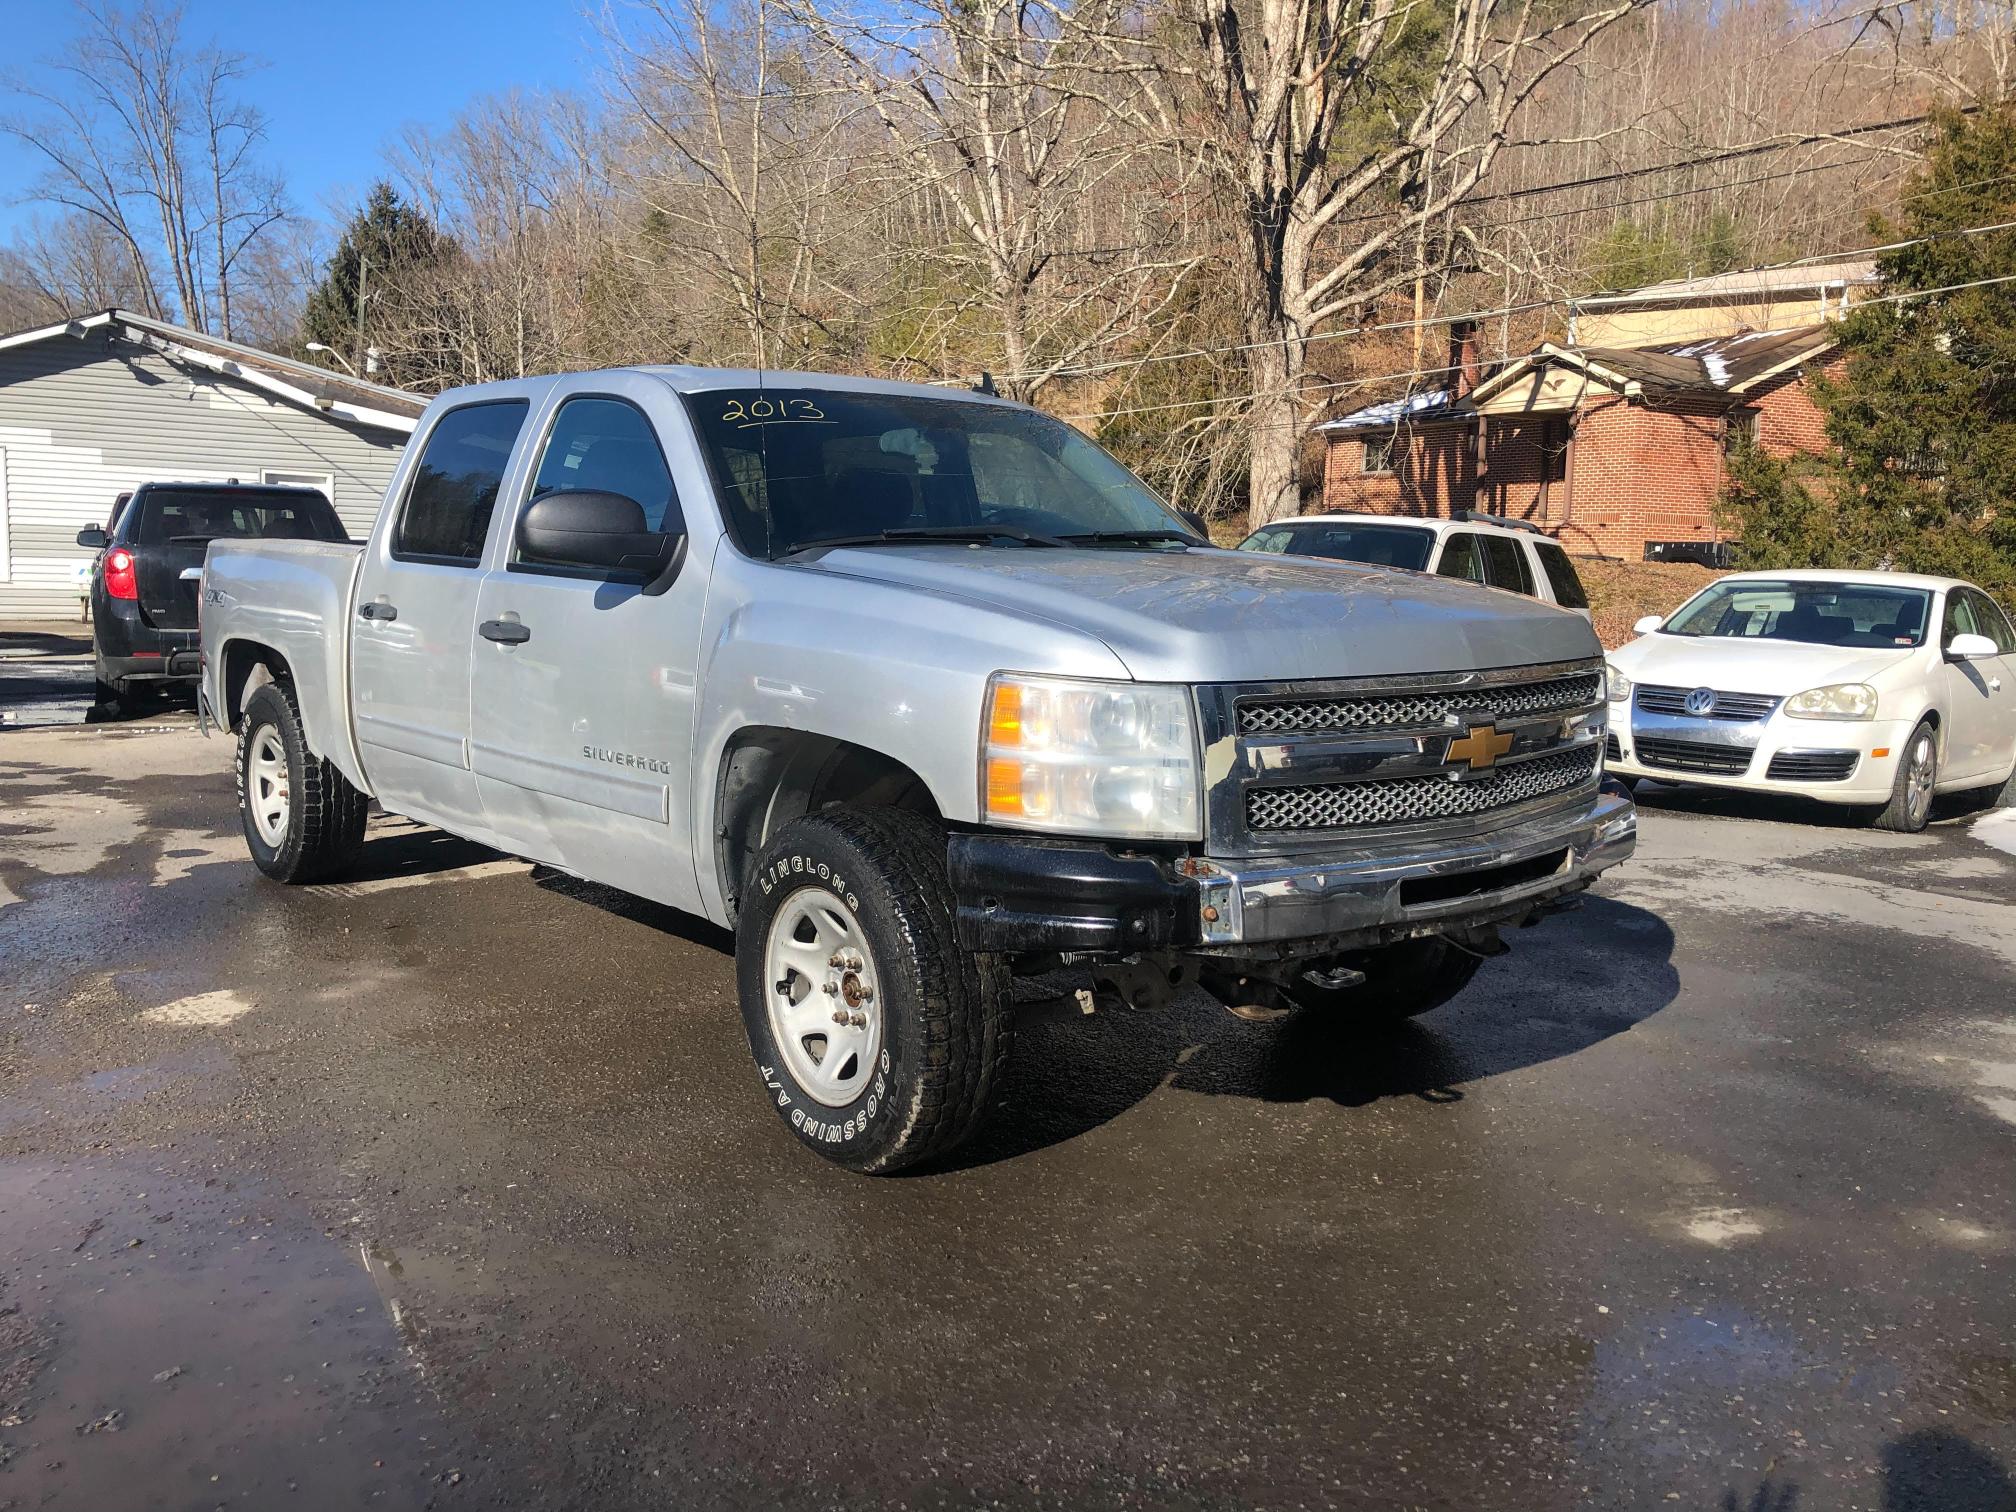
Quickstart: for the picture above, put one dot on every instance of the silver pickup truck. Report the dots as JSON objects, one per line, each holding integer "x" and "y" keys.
{"x": 914, "y": 690}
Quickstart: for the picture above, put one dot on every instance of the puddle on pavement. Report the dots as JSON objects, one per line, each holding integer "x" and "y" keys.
{"x": 167, "y": 1342}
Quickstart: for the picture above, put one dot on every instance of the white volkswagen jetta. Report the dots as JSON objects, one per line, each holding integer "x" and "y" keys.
{"x": 1872, "y": 689}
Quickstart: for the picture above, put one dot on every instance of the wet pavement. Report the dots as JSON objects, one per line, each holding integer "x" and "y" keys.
{"x": 451, "y": 1185}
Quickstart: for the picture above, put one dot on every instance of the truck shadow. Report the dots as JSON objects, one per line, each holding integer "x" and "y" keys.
{"x": 1573, "y": 982}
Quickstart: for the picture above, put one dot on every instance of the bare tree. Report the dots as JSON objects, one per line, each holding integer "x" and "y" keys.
{"x": 142, "y": 135}
{"x": 1341, "y": 129}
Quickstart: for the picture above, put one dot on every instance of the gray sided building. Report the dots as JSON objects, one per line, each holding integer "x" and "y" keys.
{"x": 92, "y": 407}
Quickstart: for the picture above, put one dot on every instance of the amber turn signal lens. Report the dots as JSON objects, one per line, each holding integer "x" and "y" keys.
{"x": 1880, "y": 751}
{"x": 1004, "y": 784}
{"x": 1004, "y": 722}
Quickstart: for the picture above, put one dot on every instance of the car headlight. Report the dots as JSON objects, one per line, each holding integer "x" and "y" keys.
{"x": 1090, "y": 758}
{"x": 1618, "y": 683}
{"x": 1835, "y": 701}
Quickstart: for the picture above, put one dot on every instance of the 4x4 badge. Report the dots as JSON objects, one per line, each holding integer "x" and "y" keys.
{"x": 1480, "y": 746}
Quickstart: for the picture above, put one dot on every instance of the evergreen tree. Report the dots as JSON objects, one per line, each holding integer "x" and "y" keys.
{"x": 388, "y": 241}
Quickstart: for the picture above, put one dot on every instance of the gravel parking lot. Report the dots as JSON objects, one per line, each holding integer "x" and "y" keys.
{"x": 451, "y": 1185}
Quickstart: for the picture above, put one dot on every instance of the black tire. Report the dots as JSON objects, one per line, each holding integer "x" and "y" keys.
{"x": 1910, "y": 807}
{"x": 1401, "y": 981}
{"x": 943, "y": 1012}
{"x": 324, "y": 814}
{"x": 104, "y": 693}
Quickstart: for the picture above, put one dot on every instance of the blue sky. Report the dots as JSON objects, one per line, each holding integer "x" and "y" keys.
{"x": 341, "y": 79}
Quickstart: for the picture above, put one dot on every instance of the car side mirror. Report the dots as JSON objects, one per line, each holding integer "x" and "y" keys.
{"x": 1196, "y": 522}
{"x": 93, "y": 538}
{"x": 1648, "y": 624}
{"x": 586, "y": 527}
{"x": 1969, "y": 647}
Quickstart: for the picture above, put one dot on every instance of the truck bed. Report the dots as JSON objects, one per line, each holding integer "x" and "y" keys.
{"x": 292, "y": 597}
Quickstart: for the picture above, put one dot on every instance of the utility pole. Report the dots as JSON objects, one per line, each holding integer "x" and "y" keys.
{"x": 363, "y": 267}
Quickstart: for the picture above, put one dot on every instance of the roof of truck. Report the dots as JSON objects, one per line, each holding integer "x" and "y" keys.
{"x": 700, "y": 380}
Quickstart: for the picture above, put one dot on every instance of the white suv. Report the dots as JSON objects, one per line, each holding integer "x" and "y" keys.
{"x": 1486, "y": 549}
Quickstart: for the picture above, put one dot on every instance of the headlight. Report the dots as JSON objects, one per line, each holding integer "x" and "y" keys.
{"x": 1835, "y": 701}
{"x": 1619, "y": 684}
{"x": 1090, "y": 758}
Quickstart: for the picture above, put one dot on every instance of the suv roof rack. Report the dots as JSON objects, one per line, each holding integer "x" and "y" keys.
{"x": 1504, "y": 522}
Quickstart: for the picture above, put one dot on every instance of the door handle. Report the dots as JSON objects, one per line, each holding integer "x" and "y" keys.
{"x": 505, "y": 632}
{"x": 377, "y": 611}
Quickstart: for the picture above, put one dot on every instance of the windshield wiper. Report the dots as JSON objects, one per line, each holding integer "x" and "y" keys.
{"x": 911, "y": 535}
{"x": 1130, "y": 537}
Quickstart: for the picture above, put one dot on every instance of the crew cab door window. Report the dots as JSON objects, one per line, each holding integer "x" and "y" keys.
{"x": 1460, "y": 557}
{"x": 446, "y": 515}
{"x": 606, "y": 445}
{"x": 1505, "y": 565}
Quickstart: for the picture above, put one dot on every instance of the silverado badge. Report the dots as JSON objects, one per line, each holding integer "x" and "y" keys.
{"x": 1480, "y": 746}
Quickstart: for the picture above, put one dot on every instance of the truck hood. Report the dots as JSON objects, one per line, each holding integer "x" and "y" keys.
{"x": 1238, "y": 616}
{"x": 1750, "y": 666}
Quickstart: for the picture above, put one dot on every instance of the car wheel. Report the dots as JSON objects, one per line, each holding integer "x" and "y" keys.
{"x": 1401, "y": 981}
{"x": 879, "y": 1039}
{"x": 303, "y": 820}
{"x": 1910, "y": 805}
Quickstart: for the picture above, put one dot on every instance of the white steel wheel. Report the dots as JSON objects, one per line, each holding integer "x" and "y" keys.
{"x": 266, "y": 795}
{"x": 823, "y": 995}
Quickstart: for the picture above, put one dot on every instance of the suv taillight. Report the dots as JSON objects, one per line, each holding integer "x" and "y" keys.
{"x": 120, "y": 580}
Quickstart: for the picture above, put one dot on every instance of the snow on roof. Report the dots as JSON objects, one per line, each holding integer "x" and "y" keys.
{"x": 1392, "y": 411}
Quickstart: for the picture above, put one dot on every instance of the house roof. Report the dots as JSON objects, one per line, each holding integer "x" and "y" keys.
{"x": 294, "y": 382}
{"x": 1729, "y": 365}
{"x": 1417, "y": 409}
{"x": 1751, "y": 284}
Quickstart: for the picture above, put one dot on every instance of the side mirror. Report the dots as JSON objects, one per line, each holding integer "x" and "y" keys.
{"x": 93, "y": 538}
{"x": 1196, "y": 522}
{"x": 1648, "y": 624}
{"x": 1970, "y": 647}
{"x": 584, "y": 527}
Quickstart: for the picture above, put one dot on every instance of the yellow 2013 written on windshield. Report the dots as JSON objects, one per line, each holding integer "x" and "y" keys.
{"x": 771, "y": 412}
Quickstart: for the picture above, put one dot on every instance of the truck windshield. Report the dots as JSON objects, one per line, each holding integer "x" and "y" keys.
{"x": 801, "y": 467}
{"x": 1376, "y": 545}
{"x": 206, "y": 514}
{"x": 1816, "y": 613}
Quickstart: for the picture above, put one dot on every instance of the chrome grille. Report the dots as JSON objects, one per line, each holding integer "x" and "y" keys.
{"x": 1742, "y": 707}
{"x": 1403, "y": 800}
{"x": 1378, "y": 711}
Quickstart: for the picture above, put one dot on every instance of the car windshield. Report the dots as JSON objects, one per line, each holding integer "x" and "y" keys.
{"x": 802, "y": 467}
{"x": 204, "y": 514}
{"x": 1815, "y": 613}
{"x": 1379, "y": 545}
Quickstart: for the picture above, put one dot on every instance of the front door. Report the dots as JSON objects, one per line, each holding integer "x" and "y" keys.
{"x": 416, "y": 617}
{"x": 583, "y": 728}
{"x": 1980, "y": 692}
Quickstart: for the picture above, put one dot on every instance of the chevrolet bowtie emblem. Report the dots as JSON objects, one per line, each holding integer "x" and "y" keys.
{"x": 1480, "y": 746}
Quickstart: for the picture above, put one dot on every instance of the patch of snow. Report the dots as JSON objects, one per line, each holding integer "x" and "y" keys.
{"x": 1997, "y": 829}
{"x": 206, "y": 1010}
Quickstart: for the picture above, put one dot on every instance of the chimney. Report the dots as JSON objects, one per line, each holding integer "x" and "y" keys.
{"x": 1464, "y": 368}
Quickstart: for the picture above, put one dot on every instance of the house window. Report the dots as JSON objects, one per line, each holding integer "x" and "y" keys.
{"x": 326, "y": 482}
{"x": 1739, "y": 429}
{"x": 1378, "y": 456}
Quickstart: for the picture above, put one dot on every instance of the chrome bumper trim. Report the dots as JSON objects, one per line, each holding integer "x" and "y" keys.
{"x": 1347, "y": 891}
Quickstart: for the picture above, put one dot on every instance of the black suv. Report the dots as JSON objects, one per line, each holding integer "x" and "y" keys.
{"x": 145, "y": 582}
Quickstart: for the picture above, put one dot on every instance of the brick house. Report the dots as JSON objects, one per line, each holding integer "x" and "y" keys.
{"x": 1618, "y": 451}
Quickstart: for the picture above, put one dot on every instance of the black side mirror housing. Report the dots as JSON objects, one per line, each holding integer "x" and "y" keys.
{"x": 1196, "y": 522}
{"x": 585, "y": 527}
{"x": 93, "y": 538}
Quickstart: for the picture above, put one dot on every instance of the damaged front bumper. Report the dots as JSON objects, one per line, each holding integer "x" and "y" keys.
{"x": 1020, "y": 895}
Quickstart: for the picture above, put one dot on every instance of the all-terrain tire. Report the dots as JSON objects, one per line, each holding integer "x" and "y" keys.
{"x": 1911, "y": 794}
{"x": 1401, "y": 981}
{"x": 943, "y": 1035}
{"x": 325, "y": 814}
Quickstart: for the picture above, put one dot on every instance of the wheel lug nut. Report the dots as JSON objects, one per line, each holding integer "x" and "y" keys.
{"x": 867, "y": 992}
{"x": 860, "y": 1021}
{"x": 839, "y": 1015}
{"x": 836, "y": 960}
{"x": 830, "y": 988}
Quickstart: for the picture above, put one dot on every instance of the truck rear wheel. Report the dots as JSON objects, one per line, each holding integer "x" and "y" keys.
{"x": 1401, "y": 981}
{"x": 303, "y": 820}
{"x": 879, "y": 1039}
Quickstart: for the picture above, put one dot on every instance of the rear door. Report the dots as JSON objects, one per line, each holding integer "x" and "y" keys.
{"x": 414, "y": 618}
{"x": 1998, "y": 747}
{"x": 1971, "y": 723}
{"x": 583, "y": 729}
{"x": 1505, "y": 564}
{"x": 1564, "y": 583}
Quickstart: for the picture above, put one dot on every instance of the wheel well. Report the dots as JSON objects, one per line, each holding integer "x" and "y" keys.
{"x": 770, "y": 777}
{"x": 248, "y": 666}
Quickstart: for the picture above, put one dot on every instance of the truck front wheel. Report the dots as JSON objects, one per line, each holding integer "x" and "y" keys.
{"x": 879, "y": 1040}
{"x": 303, "y": 820}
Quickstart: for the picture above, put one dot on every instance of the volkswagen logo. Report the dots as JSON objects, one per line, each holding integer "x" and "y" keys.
{"x": 1701, "y": 701}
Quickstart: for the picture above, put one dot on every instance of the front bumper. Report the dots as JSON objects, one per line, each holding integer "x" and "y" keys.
{"x": 1017, "y": 894}
{"x": 1755, "y": 749}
